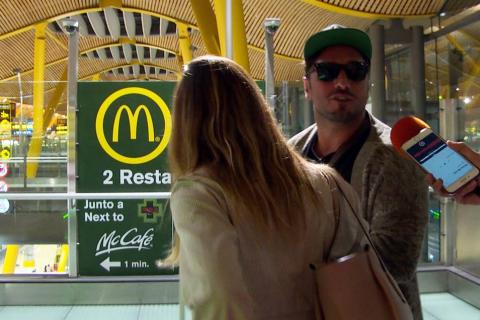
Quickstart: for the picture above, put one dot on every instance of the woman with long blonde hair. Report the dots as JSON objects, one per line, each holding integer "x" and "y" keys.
{"x": 250, "y": 213}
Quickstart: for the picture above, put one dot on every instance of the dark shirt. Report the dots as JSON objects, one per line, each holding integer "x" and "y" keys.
{"x": 342, "y": 159}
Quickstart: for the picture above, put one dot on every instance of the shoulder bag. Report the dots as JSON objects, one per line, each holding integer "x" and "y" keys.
{"x": 358, "y": 286}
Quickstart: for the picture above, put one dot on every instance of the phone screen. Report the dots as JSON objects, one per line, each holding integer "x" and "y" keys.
{"x": 441, "y": 161}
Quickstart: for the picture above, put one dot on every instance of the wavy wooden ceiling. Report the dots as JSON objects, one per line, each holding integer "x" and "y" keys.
{"x": 299, "y": 19}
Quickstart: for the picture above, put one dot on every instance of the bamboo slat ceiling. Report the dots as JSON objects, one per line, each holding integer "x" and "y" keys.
{"x": 150, "y": 50}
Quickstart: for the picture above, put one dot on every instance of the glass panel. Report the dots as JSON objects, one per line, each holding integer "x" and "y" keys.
{"x": 399, "y": 104}
{"x": 431, "y": 252}
{"x": 34, "y": 259}
{"x": 453, "y": 68}
{"x": 32, "y": 232}
{"x": 30, "y": 169}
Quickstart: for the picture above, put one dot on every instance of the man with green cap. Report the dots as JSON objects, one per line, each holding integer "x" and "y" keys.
{"x": 346, "y": 136}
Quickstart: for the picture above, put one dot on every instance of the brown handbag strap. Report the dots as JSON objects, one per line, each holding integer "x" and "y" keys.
{"x": 336, "y": 215}
{"x": 365, "y": 231}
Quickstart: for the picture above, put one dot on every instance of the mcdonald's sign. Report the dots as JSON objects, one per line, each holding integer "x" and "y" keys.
{"x": 123, "y": 129}
{"x": 126, "y": 119}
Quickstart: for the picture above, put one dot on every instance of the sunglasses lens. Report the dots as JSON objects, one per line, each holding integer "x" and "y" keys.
{"x": 356, "y": 71}
{"x": 327, "y": 71}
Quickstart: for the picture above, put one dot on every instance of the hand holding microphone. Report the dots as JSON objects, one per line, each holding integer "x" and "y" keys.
{"x": 449, "y": 171}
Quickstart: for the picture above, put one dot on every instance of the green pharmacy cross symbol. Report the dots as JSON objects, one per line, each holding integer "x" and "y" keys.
{"x": 151, "y": 210}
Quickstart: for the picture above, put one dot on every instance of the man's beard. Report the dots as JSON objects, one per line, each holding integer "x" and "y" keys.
{"x": 343, "y": 116}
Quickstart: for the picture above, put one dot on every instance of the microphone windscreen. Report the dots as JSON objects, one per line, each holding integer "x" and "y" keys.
{"x": 405, "y": 129}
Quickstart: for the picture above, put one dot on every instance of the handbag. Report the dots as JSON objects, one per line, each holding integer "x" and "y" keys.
{"x": 358, "y": 286}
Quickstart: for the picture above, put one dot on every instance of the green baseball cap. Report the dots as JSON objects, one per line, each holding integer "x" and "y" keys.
{"x": 335, "y": 35}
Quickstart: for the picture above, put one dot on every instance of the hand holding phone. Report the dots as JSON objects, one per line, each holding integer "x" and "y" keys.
{"x": 434, "y": 155}
{"x": 468, "y": 194}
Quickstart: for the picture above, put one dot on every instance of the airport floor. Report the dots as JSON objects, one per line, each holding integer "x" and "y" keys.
{"x": 104, "y": 312}
{"x": 444, "y": 306}
{"x": 436, "y": 306}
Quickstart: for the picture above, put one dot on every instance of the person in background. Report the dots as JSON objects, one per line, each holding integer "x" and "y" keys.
{"x": 250, "y": 214}
{"x": 469, "y": 194}
{"x": 392, "y": 191}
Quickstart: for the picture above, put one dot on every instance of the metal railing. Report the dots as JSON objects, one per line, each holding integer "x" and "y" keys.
{"x": 83, "y": 196}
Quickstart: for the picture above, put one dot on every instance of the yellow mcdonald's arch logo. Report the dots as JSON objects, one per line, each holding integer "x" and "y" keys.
{"x": 133, "y": 121}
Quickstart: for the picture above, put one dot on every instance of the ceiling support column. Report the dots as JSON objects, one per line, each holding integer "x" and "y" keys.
{"x": 240, "y": 48}
{"x": 205, "y": 16}
{"x": 10, "y": 260}
{"x": 38, "y": 99}
{"x": 185, "y": 44}
{"x": 180, "y": 67}
{"x": 54, "y": 100}
{"x": 220, "y": 14}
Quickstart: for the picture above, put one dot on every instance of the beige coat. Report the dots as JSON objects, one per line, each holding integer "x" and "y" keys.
{"x": 228, "y": 271}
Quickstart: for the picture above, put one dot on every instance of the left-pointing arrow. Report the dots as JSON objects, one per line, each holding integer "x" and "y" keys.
{"x": 107, "y": 264}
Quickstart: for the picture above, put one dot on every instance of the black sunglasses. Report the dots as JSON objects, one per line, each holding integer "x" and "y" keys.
{"x": 328, "y": 71}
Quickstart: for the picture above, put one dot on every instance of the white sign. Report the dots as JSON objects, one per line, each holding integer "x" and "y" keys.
{"x": 3, "y": 169}
{"x": 4, "y": 205}
{"x": 3, "y": 186}
{"x": 126, "y": 241}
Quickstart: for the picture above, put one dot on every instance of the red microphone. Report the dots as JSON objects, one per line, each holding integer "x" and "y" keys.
{"x": 405, "y": 129}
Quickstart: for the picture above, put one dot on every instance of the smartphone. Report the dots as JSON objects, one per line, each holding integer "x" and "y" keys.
{"x": 437, "y": 158}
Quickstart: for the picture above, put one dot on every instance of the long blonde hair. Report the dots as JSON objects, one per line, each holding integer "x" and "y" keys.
{"x": 221, "y": 122}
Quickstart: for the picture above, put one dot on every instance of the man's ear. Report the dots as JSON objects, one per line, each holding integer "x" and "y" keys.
{"x": 306, "y": 87}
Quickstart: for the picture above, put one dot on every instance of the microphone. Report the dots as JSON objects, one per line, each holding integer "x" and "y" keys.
{"x": 405, "y": 129}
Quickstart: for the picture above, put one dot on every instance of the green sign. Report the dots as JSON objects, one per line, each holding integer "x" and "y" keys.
{"x": 122, "y": 133}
